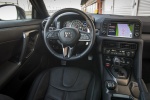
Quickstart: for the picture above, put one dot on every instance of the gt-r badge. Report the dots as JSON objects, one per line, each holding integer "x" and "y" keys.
{"x": 67, "y": 35}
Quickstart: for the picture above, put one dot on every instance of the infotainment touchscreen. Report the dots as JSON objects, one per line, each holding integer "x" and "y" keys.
{"x": 120, "y": 30}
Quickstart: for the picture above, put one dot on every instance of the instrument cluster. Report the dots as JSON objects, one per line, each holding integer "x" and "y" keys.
{"x": 80, "y": 25}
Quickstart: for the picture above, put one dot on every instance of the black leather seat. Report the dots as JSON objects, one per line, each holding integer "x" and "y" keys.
{"x": 5, "y": 97}
{"x": 64, "y": 83}
{"x": 148, "y": 87}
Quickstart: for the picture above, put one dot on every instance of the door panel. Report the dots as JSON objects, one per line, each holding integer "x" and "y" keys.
{"x": 18, "y": 23}
{"x": 9, "y": 38}
{"x": 17, "y": 43}
{"x": 6, "y": 50}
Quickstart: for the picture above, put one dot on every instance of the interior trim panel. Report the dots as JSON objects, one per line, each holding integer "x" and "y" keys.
{"x": 19, "y": 23}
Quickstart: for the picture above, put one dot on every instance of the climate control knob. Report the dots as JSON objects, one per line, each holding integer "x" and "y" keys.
{"x": 116, "y": 61}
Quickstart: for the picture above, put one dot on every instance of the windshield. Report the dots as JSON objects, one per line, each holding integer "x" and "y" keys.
{"x": 115, "y": 7}
{"x": 54, "y": 5}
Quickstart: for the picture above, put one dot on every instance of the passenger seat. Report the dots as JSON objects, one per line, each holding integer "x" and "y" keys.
{"x": 4, "y": 97}
{"x": 148, "y": 87}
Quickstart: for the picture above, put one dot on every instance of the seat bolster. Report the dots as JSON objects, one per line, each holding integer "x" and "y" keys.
{"x": 39, "y": 87}
{"x": 4, "y": 97}
{"x": 70, "y": 79}
{"x": 148, "y": 87}
{"x": 93, "y": 92}
{"x": 65, "y": 83}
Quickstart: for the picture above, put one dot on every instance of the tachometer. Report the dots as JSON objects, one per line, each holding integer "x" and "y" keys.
{"x": 77, "y": 24}
{"x": 67, "y": 24}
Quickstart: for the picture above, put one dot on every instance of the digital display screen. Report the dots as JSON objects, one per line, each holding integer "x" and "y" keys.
{"x": 120, "y": 30}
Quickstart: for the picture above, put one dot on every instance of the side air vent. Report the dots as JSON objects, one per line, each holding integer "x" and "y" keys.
{"x": 120, "y": 45}
{"x": 44, "y": 22}
{"x": 110, "y": 44}
{"x": 128, "y": 46}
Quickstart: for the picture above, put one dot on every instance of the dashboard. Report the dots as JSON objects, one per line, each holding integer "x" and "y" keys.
{"x": 111, "y": 27}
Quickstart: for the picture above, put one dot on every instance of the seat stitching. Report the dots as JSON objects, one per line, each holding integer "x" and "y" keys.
{"x": 93, "y": 88}
{"x": 76, "y": 78}
{"x": 67, "y": 90}
{"x": 65, "y": 95}
{"x": 50, "y": 97}
{"x": 48, "y": 85}
{"x": 91, "y": 83}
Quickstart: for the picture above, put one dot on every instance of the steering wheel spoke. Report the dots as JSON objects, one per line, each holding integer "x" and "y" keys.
{"x": 84, "y": 36}
{"x": 67, "y": 51}
{"x": 53, "y": 34}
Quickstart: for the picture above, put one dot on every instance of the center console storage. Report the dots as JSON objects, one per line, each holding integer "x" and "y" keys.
{"x": 120, "y": 53}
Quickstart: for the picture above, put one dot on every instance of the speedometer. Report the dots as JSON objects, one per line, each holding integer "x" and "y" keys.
{"x": 77, "y": 24}
{"x": 67, "y": 24}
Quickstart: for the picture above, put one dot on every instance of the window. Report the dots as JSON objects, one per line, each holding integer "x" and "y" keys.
{"x": 24, "y": 4}
{"x": 127, "y": 7}
{"x": 55, "y": 5}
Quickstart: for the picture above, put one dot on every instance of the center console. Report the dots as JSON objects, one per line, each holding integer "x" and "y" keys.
{"x": 118, "y": 59}
{"x": 120, "y": 52}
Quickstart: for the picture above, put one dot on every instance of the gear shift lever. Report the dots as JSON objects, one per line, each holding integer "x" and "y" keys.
{"x": 116, "y": 61}
{"x": 117, "y": 70}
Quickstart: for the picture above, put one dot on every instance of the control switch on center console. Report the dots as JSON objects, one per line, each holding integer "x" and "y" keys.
{"x": 119, "y": 73}
{"x": 111, "y": 85}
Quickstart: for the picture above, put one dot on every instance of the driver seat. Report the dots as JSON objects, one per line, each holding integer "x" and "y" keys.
{"x": 65, "y": 83}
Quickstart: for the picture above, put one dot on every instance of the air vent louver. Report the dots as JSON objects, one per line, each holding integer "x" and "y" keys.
{"x": 110, "y": 44}
{"x": 120, "y": 45}
{"x": 128, "y": 46}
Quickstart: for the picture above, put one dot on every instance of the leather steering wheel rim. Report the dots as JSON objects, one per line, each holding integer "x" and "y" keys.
{"x": 89, "y": 22}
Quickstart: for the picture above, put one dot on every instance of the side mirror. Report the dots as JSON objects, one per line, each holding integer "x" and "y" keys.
{"x": 11, "y": 12}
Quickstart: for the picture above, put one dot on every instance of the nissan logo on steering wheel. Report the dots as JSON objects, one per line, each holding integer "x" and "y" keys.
{"x": 67, "y": 35}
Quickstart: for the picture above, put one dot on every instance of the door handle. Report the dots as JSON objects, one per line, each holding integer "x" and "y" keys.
{"x": 25, "y": 42}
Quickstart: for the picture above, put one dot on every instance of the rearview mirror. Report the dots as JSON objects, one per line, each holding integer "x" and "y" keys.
{"x": 11, "y": 12}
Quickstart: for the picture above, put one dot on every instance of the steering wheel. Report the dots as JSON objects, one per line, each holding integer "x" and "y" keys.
{"x": 68, "y": 36}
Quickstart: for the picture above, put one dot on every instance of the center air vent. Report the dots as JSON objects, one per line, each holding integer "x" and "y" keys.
{"x": 128, "y": 46}
{"x": 110, "y": 44}
{"x": 120, "y": 45}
